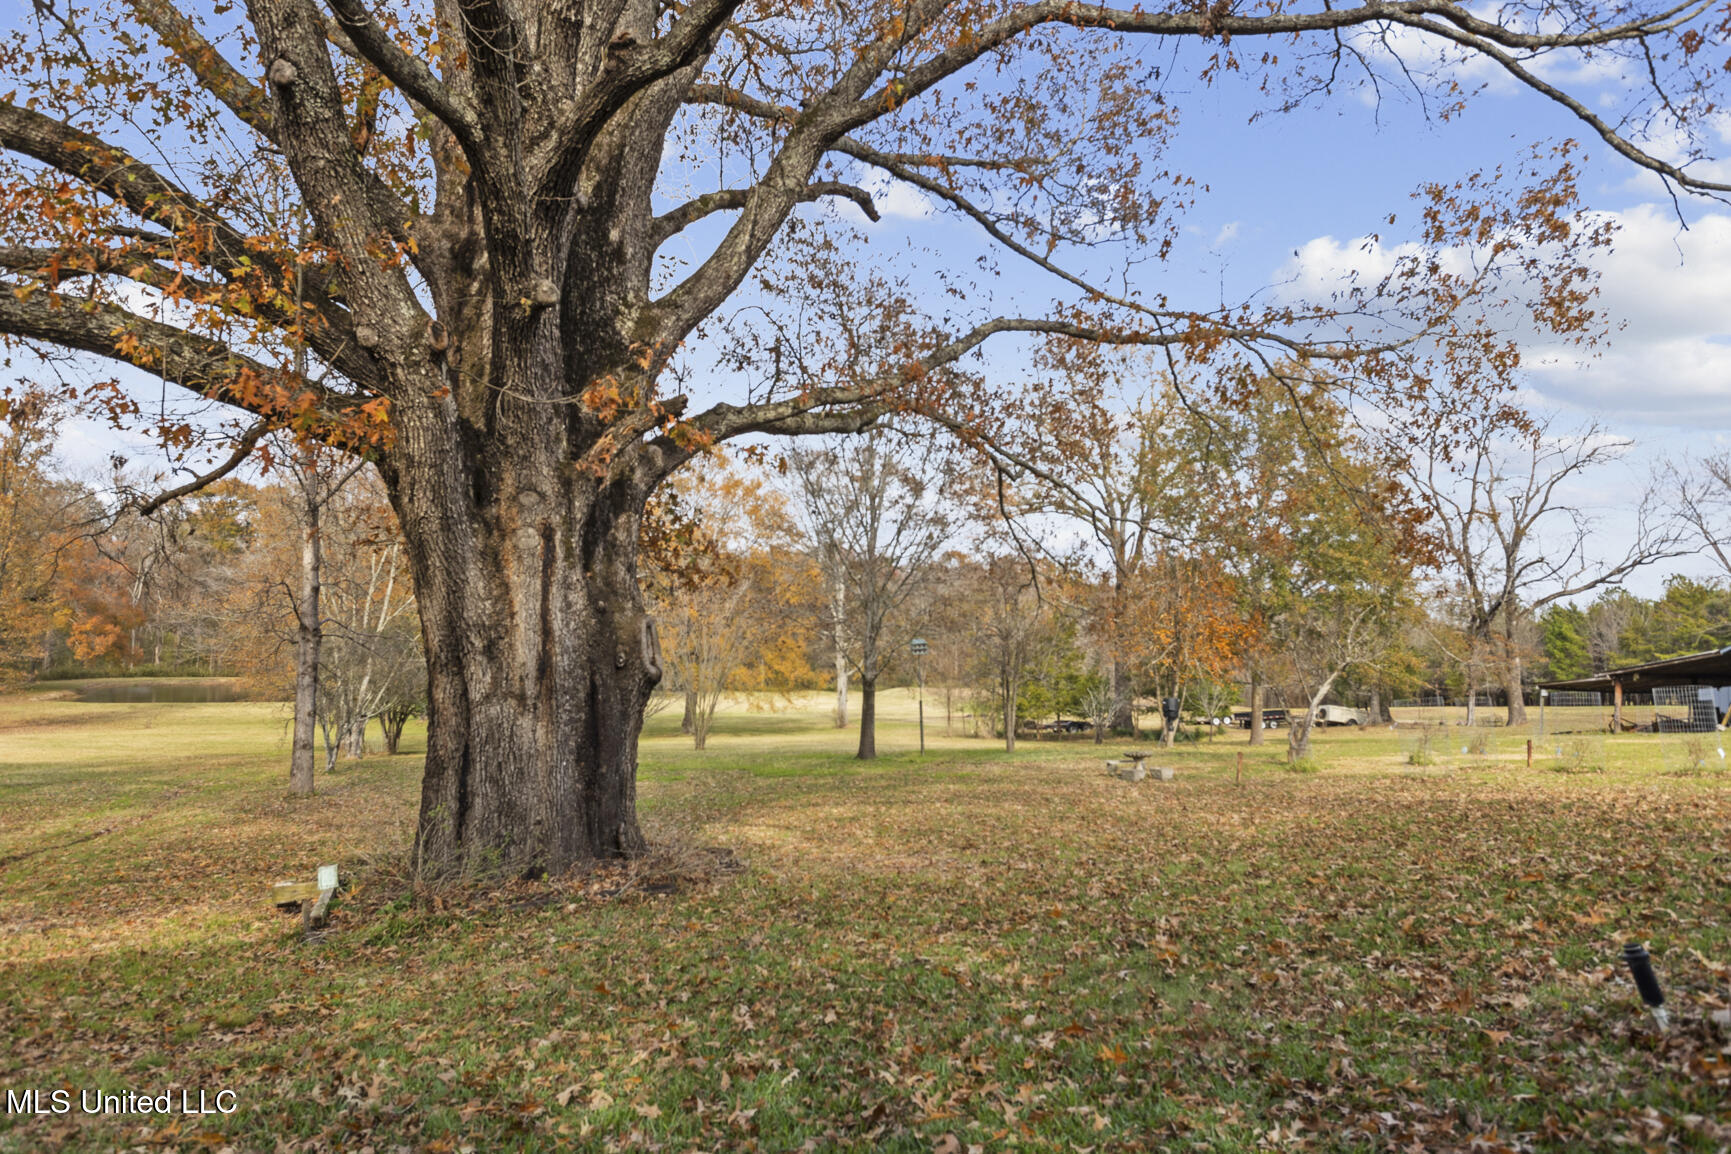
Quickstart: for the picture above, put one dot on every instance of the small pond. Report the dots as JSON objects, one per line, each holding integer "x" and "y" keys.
{"x": 149, "y": 691}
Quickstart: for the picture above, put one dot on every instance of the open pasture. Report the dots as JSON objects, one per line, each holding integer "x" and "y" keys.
{"x": 965, "y": 951}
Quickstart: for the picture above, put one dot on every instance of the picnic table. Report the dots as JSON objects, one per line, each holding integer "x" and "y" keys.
{"x": 1137, "y": 768}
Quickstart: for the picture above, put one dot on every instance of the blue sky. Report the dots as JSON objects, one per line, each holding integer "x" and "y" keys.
{"x": 1290, "y": 195}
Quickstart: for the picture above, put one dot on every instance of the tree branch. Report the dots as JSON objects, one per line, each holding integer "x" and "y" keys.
{"x": 201, "y": 364}
{"x": 242, "y": 450}
{"x": 220, "y": 78}
{"x": 630, "y": 69}
{"x": 117, "y": 174}
{"x": 140, "y": 264}
{"x": 407, "y": 73}
{"x": 672, "y": 223}
{"x": 1479, "y": 40}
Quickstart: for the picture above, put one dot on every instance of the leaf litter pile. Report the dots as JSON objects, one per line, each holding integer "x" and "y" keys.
{"x": 1025, "y": 956}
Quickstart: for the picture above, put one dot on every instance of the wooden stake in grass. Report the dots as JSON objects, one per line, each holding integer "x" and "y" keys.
{"x": 287, "y": 895}
{"x": 1529, "y": 753}
{"x": 1238, "y": 774}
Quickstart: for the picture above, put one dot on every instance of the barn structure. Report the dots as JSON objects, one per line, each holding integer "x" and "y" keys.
{"x": 1707, "y": 672}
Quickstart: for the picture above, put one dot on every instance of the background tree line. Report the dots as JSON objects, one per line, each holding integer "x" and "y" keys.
{"x": 1244, "y": 544}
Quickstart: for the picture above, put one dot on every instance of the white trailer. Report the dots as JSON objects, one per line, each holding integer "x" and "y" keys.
{"x": 1341, "y": 715}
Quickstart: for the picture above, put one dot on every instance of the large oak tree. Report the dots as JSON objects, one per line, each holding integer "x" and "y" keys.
{"x": 448, "y": 212}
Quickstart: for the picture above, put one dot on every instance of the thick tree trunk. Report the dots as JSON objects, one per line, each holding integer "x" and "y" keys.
{"x": 1378, "y": 715}
{"x": 309, "y": 635}
{"x": 355, "y": 739}
{"x": 1512, "y": 687}
{"x": 1256, "y": 707}
{"x": 540, "y": 656}
{"x": 868, "y": 718}
{"x": 1123, "y": 716}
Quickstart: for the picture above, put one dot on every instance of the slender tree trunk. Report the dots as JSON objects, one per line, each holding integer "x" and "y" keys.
{"x": 868, "y": 717}
{"x": 1256, "y": 707}
{"x": 1010, "y": 694}
{"x": 392, "y": 722}
{"x": 332, "y": 745}
{"x": 1299, "y": 728}
{"x": 309, "y": 637}
{"x": 688, "y": 723}
{"x": 840, "y": 689}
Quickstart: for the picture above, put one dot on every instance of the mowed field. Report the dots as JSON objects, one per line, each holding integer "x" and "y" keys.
{"x": 953, "y": 953}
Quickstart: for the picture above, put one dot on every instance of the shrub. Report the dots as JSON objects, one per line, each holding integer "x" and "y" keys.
{"x": 1421, "y": 752}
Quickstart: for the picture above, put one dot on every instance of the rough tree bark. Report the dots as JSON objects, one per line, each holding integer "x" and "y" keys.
{"x": 309, "y": 636}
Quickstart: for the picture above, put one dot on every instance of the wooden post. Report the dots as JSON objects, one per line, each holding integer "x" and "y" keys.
{"x": 1238, "y": 774}
{"x": 1616, "y": 707}
{"x": 1529, "y": 753}
{"x": 314, "y": 897}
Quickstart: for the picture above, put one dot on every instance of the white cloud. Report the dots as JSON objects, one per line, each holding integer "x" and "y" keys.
{"x": 1669, "y": 362}
{"x": 1666, "y": 291}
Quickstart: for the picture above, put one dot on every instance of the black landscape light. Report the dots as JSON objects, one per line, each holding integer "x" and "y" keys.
{"x": 1640, "y": 965}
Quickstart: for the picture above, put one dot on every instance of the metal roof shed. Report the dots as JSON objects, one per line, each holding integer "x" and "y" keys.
{"x": 1709, "y": 667}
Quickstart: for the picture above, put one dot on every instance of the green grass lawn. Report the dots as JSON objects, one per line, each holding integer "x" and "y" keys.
{"x": 956, "y": 952}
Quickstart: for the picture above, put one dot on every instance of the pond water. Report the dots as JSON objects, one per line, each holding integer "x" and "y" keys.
{"x": 151, "y": 692}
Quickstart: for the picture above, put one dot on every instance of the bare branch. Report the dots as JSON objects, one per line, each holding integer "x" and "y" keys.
{"x": 672, "y": 223}
{"x": 1480, "y": 40}
{"x": 242, "y": 450}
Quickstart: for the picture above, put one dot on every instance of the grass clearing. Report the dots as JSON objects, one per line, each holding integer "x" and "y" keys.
{"x": 959, "y": 951}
